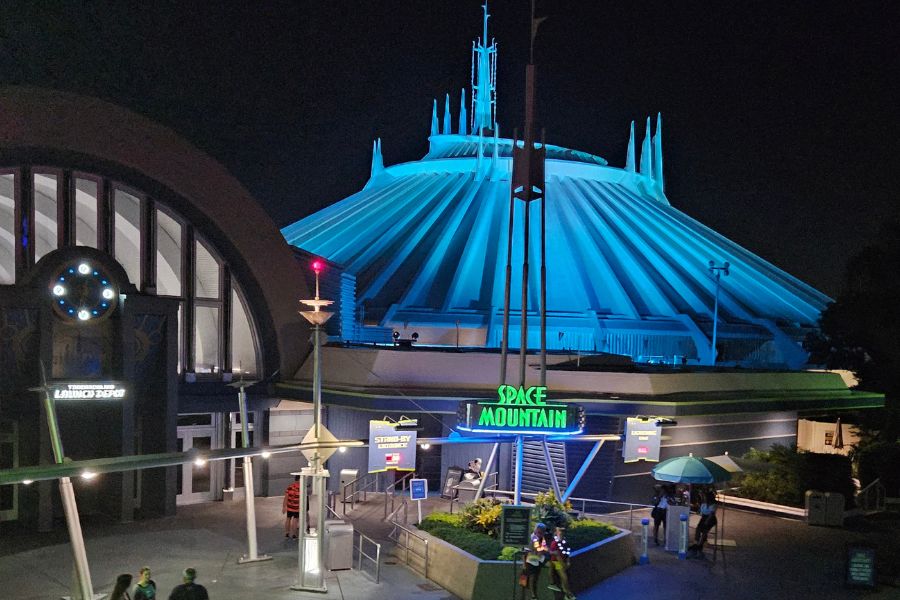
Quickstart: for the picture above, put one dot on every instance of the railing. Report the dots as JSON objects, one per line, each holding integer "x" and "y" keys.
{"x": 621, "y": 514}
{"x": 390, "y": 493}
{"x": 488, "y": 487}
{"x": 359, "y": 543}
{"x": 360, "y": 485}
{"x": 872, "y": 497}
{"x": 409, "y": 543}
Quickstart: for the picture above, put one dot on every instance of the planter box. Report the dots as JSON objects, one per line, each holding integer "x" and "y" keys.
{"x": 470, "y": 578}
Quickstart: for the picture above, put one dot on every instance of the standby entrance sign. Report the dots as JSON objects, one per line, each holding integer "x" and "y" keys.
{"x": 88, "y": 391}
{"x": 392, "y": 445}
{"x": 642, "y": 438}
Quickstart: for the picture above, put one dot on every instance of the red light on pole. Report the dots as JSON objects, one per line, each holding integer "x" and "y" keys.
{"x": 317, "y": 266}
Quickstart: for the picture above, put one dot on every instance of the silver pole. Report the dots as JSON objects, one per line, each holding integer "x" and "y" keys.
{"x": 85, "y": 589}
{"x": 517, "y": 490}
{"x": 487, "y": 470}
{"x": 715, "y": 352}
{"x": 554, "y": 482}
{"x": 249, "y": 492}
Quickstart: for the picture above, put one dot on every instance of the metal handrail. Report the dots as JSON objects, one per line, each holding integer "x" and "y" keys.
{"x": 357, "y": 490}
{"x": 864, "y": 496}
{"x": 487, "y": 488}
{"x": 391, "y": 491}
{"x": 400, "y": 531}
{"x": 360, "y": 554}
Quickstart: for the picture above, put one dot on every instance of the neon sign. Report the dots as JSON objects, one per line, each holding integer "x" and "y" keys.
{"x": 88, "y": 391}
{"x": 642, "y": 439}
{"x": 521, "y": 410}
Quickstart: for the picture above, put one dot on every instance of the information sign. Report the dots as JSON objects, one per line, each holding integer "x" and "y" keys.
{"x": 88, "y": 391}
{"x": 861, "y": 566}
{"x": 454, "y": 474}
{"x": 418, "y": 489}
{"x": 390, "y": 448}
{"x": 642, "y": 439}
{"x": 515, "y": 525}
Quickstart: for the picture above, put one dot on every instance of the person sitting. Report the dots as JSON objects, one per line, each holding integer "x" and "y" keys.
{"x": 707, "y": 522}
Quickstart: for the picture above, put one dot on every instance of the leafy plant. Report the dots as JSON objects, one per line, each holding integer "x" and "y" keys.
{"x": 550, "y": 511}
{"x": 478, "y": 544}
{"x": 440, "y": 518}
{"x": 584, "y": 532}
{"x": 483, "y": 516}
{"x": 508, "y": 553}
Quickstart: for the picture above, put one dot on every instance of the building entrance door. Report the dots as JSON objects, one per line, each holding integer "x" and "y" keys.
{"x": 9, "y": 459}
{"x": 196, "y": 481}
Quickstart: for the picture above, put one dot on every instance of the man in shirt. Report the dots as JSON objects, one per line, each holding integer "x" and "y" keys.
{"x": 145, "y": 589}
{"x": 291, "y": 508}
{"x": 189, "y": 590}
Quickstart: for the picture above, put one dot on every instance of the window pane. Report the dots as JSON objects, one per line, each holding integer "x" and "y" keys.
{"x": 127, "y": 242}
{"x": 207, "y": 274}
{"x": 243, "y": 348}
{"x": 207, "y": 332}
{"x": 168, "y": 255}
{"x": 7, "y": 229}
{"x": 45, "y": 206}
{"x": 85, "y": 213}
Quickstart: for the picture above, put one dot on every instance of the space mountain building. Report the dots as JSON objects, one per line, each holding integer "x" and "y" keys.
{"x": 418, "y": 264}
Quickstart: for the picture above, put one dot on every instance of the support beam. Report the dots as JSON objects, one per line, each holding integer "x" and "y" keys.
{"x": 554, "y": 482}
{"x": 249, "y": 492}
{"x": 487, "y": 470}
{"x": 581, "y": 471}
{"x": 517, "y": 490}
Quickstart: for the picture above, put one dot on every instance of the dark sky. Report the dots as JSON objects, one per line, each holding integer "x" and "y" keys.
{"x": 780, "y": 122}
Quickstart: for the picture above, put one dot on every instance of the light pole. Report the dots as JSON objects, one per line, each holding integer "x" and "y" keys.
{"x": 716, "y": 272}
{"x": 312, "y": 548}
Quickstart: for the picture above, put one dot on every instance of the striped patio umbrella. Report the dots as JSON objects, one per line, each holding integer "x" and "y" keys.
{"x": 690, "y": 469}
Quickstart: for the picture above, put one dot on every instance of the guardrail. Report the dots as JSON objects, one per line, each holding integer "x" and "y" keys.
{"x": 390, "y": 493}
{"x": 488, "y": 487}
{"x": 792, "y": 511}
{"x": 360, "y": 485}
{"x": 359, "y": 543}
{"x": 409, "y": 542}
{"x": 872, "y": 497}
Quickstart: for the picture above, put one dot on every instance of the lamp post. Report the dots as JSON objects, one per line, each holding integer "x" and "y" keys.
{"x": 312, "y": 549}
{"x": 716, "y": 272}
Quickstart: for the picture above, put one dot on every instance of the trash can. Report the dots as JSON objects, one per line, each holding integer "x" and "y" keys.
{"x": 834, "y": 509}
{"x": 816, "y": 508}
{"x": 347, "y": 476}
{"x": 338, "y": 545}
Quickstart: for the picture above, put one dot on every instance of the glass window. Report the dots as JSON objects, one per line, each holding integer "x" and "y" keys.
{"x": 7, "y": 229}
{"x": 86, "y": 213}
{"x": 243, "y": 346}
{"x": 45, "y": 215}
{"x": 207, "y": 333}
{"x": 127, "y": 241}
{"x": 207, "y": 269}
{"x": 168, "y": 255}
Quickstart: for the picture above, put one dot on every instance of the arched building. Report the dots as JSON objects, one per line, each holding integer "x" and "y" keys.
{"x": 130, "y": 258}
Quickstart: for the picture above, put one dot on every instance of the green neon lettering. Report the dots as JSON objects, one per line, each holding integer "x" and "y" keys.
{"x": 540, "y": 395}
{"x": 560, "y": 419}
{"x": 512, "y": 419}
{"x": 500, "y": 418}
{"x": 487, "y": 416}
{"x": 525, "y": 419}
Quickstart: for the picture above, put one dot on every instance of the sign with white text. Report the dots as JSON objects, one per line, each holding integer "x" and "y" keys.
{"x": 88, "y": 391}
{"x": 521, "y": 410}
{"x": 392, "y": 446}
{"x": 642, "y": 439}
{"x": 418, "y": 489}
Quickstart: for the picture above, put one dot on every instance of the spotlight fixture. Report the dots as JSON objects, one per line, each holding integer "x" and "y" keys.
{"x": 266, "y": 454}
{"x": 200, "y": 462}
{"x": 84, "y": 315}
{"x": 84, "y": 268}
{"x": 58, "y": 290}
{"x": 342, "y": 449}
{"x": 88, "y": 475}
{"x": 108, "y": 293}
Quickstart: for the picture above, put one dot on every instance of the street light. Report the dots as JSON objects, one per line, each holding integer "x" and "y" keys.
{"x": 716, "y": 272}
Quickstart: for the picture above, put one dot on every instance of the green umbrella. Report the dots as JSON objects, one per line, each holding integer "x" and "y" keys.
{"x": 690, "y": 469}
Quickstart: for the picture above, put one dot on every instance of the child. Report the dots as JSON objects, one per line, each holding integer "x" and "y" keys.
{"x": 559, "y": 563}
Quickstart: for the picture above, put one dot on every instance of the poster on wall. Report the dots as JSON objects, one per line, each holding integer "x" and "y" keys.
{"x": 392, "y": 445}
{"x": 642, "y": 438}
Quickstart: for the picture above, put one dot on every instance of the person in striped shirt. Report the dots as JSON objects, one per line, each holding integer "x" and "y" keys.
{"x": 291, "y": 508}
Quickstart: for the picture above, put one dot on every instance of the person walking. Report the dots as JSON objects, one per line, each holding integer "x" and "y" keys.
{"x": 189, "y": 590}
{"x": 120, "y": 591}
{"x": 559, "y": 564}
{"x": 537, "y": 555}
{"x": 290, "y": 507}
{"x": 145, "y": 588}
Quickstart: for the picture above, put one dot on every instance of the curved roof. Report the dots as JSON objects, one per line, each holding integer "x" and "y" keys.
{"x": 93, "y": 134}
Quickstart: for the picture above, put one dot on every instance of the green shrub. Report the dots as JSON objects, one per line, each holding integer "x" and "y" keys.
{"x": 508, "y": 553}
{"x": 441, "y": 518}
{"x": 478, "y": 544}
{"x": 550, "y": 511}
{"x": 586, "y": 532}
{"x": 482, "y": 516}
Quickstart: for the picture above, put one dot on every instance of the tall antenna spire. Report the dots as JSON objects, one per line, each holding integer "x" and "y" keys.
{"x": 447, "y": 115}
{"x": 463, "y": 119}
{"x": 629, "y": 159}
{"x": 484, "y": 83}
{"x": 646, "y": 153}
{"x": 434, "y": 119}
{"x": 657, "y": 154}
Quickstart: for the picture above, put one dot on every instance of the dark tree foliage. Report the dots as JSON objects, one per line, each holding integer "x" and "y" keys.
{"x": 860, "y": 330}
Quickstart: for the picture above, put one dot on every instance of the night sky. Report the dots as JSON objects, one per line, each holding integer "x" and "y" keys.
{"x": 780, "y": 123}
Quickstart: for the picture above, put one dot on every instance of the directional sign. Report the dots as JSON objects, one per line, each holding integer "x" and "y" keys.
{"x": 418, "y": 489}
{"x": 515, "y": 525}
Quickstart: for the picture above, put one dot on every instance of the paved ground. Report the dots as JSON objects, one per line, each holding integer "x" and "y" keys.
{"x": 768, "y": 557}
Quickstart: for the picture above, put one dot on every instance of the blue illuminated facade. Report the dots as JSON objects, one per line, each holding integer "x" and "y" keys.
{"x": 627, "y": 272}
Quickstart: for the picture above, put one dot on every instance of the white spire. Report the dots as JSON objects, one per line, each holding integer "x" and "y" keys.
{"x": 434, "y": 119}
{"x": 629, "y": 158}
{"x": 447, "y": 115}
{"x": 484, "y": 84}
{"x": 657, "y": 154}
{"x": 463, "y": 120}
{"x": 646, "y": 153}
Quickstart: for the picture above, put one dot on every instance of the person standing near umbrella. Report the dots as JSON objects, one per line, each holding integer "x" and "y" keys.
{"x": 707, "y": 521}
{"x": 661, "y": 501}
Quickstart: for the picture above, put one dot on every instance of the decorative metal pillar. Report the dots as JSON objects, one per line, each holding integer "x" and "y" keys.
{"x": 716, "y": 272}
{"x": 311, "y": 559}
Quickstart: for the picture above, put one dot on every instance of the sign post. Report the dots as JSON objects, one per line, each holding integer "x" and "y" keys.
{"x": 515, "y": 525}
{"x": 418, "y": 491}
